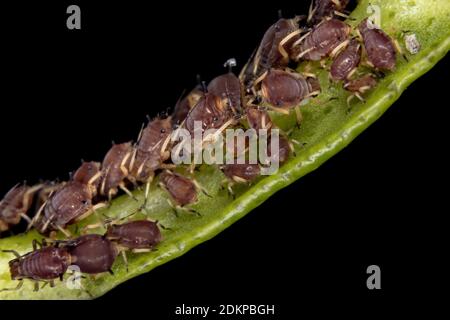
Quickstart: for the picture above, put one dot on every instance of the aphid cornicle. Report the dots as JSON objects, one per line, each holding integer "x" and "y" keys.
{"x": 323, "y": 40}
{"x": 92, "y": 253}
{"x": 45, "y": 264}
{"x": 135, "y": 235}
{"x": 115, "y": 170}
{"x": 380, "y": 49}
{"x": 346, "y": 61}
{"x": 321, "y": 9}
{"x": 16, "y": 204}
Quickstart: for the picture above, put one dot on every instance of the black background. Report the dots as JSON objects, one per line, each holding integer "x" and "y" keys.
{"x": 67, "y": 94}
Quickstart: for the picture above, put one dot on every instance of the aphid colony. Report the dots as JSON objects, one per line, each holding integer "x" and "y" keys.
{"x": 265, "y": 83}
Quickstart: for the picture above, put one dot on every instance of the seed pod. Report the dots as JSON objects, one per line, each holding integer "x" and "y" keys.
{"x": 361, "y": 85}
{"x": 89, "y": 174}
{"x": 268, "y": 54}
{"x": 211, "y": 112}
{"x": 185, "y": 105}
{"x": 258, "y": 118}
{"x": 152, "y": 149}
{"x": 92, "y": 253}
{"x": 283, "y": 89}
{"x": 241, "y": 173}
{"x": 228, "y": 88}
{"x": 346, "y": 62}
{"x": 115, "y": 168}
{"x": 44, "y": 264}
{"x": 182, "y": 189}
{"x": 15, "y": 205}
{"x": 65, "y": 206}
{"x": 141, "y": 234}
{"x": 322, "y": 40}
{"x": 326, "y": 8}
{"x": 379, "y": 47}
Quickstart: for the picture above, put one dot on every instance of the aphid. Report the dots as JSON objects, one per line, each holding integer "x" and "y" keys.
{"x": 45, "y": 264}
{"x": 346, "y": 62}
{"x": 380, "y": 49}
{"x": 360, "y": 86}
{"x": 115, "y": 170}
{"x": 284, "y": 90}
{"x": 228, "y": 88}
{"x": 89, "y": 173}
{"x": 323, "y": 40}
{"x": 271, "y": 52}
{"x": 241, "y": 173}
{"x": 284, "y": 149}
{"x": 185, "y": 105}
{"x": 16, "y": 204}
{"x": 321, "y": 9}
{"x": 151, "y": 151}
{"x": 139, "y": 235}
{"x": 71, "y": 203}
{"x": 92, "y": 253}
{"x": 258, "y": 118}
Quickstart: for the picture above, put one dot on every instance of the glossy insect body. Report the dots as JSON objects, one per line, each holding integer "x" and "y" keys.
{"x": 322, "y": 40}
{"x": 185, "y": 105}
{"x": 361, "y": 85}
{"x": 89, "y": 174}
{"x": 284, "y": 149}
{"x": 228, "y": 88}
{"x": 140, "y": 234}
{"x": 115, "y": 169}
{"x": 182, "y": 190}
{"x": 92, "y": 253}
{"x": 381, "y": 52}
{"x": 152, "y": 149}
{"x": 44, "y": 264}
{"x": 258, "y": 118}
{"x": 346, "y": 62}
{"x": 326, "y": 8}
{"x": 283, "y": 89}
{"x": 241, "y": 173}
{"x": 15, "y": 205}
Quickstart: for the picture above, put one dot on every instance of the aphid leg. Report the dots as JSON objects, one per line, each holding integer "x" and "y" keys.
{"x": 201, "y": 188}
{"x": 281, "y": 48}
{"x": 174, "y": 208}
{"x": 141, "y": 250}
{"x": 37, "y": 216}
{"x": 14, "y": 252}
{"x": 311, "y": 11}
{"x": 298, "y": 115}
{"x": 124, "y": 257}
{"x": 399, "y": 49}
{"x": 301, "y": 54}
{"x": 279, "y": 110}
{"x": 19, "y": 285}
{"x": 339, "y": 48}
{"x": 343, "y": 15}
{"x": 26, "y": 218}
{"x": 66, "y": 232}
{"x": 127, "y": 191}
{"x": 36, "y": 286}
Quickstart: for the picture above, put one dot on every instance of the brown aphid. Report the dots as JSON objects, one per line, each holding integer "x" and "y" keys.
{"x": 282, "y": 89}
{"x": 45, "y": 264}
{"x": 346, "y": 61}
{"x": 89, "y": 173}
{"x": 135, "y": 235}
{"x": 182, "y": 190}
{"x": 16, "y": 204}
{"x": 321, "y": 9}
{"x": 359, "y": 86}
{"x": 258, "y": 118}
{"x": 241, "y": 173}
{"x": 323, "y": 40}
{"x": 92, "y": 253}
{"x": 284, "y": 149}
{"x": 115, "y": 170}
{"x": 273, "y": 51}
{"x": 380, "y": 49}
{"x": 228, "y": 88}
{"x": 185, "y": 105}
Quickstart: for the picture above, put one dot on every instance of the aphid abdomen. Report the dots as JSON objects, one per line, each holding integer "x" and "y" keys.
{"x": 361, "y": 84}
{"x": 43, "y": 264}
{"x": 326, "y": 8}
{"x": 244, "y": 172}
{"x": 346, "y": 61}
{"x": 323, "y": 39}
{"x": 92, "y": 253}
{"x": 141, "y": 234}
{"x": 86, "y": 172}
{"x": 379, "y": 46}
{"x": 284, "y": 89}
{"x": 228, "y": 88}
{"x": 115, "y": 168}
{"x": 182, "y": 189}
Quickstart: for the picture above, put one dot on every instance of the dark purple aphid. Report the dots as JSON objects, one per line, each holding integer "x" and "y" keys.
{"x": 15, "y": 205}
{"x": 272, "y": 52}
{"x": 322, "y": 40}
{"x": 211, "y": 112}
{"x": 228, "y": 88}
{"x": 182, "y": 190}
{"x": 346, "y": 62}
{"x": 152, "y": 149}
{"x": 92, "y": 253}
{"x": 69, "y": 204}
{"x": 140, "y": 234}
{"x": 282, "y": 89}
{"x": 241, "y": 173}
{"x": 185, "y": 105}
{"x": 361, "y": 85}
{"x": 258, "y": 118}
{"x": 45, "y": 264}
{"x": 89, "y": 174}
{"x": 115, "y": 169}
{"x": 283, "y": 152}
{"x": 381, "y": 52}
{"x": 325, "y": 9}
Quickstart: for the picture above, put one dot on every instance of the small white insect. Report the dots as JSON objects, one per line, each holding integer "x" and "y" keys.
{"x": 412, "y": 44}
